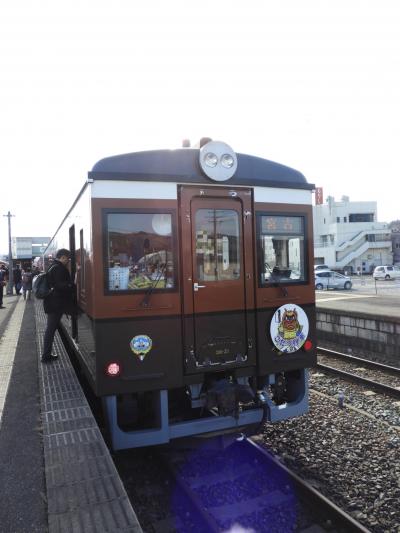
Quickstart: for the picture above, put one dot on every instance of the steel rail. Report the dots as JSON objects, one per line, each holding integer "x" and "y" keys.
{"x": 360, "y": 360}
{"x": 333, "y": 512}
{"x": 203, "y": 513}
{"x": 309, "y": 496}
{"x": 358, "y": 379}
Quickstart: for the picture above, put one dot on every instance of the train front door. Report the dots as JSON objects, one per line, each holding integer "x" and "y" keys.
{"x": 218, "y": 278}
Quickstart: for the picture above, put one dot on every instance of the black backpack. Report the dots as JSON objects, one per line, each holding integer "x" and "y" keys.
{"x": 41, "y": 288}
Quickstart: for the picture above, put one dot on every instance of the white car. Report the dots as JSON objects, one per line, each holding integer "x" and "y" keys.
{"x": 332, "y": 280}
{"x": 386, "y": 272}
{"x": 320, "y": 268}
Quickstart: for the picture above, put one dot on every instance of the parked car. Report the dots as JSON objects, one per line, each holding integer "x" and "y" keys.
{"x": 386, "y": 272}
{"x": 332, "y": 280}
{"x": 319, "y": 268}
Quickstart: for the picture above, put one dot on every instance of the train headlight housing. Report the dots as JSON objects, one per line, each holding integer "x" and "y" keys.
{"x": 218, "y": 161}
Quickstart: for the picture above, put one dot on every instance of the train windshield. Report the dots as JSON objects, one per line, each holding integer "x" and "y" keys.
{"x": 140, "y": 251}
{"x": 217, "y": 244}
{"x": 282, "y": 248}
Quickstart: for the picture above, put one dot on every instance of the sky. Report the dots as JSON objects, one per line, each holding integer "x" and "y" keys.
{"x": 312, "y": 84}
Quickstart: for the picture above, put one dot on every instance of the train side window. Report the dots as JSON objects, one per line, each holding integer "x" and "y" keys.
{"x": 82, "y": 262}
{"x": 217, "y": 244}
{"x": 139, "y": 251}
{"x": 282, "y": 249}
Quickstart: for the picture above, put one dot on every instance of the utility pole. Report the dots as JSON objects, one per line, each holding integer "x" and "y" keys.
{"x": 10, "y": 259}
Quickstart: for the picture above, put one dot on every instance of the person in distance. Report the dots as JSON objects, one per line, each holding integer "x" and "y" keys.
{"x": 59, "y": 301}
{"x": 3, "y": 283}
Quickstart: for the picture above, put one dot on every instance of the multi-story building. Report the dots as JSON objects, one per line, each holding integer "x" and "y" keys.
{"x": 348, "y": 237}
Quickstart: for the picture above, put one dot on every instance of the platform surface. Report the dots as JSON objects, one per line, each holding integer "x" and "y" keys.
{"x": 56, "y": 471}
{"x": 366, "y": 297}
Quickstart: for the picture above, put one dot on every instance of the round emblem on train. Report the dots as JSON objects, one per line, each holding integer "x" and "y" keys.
{"x": 289, "y": 328}
{"x": 141, "y": 345}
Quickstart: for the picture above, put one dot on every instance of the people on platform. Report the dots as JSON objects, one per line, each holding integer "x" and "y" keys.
{"x": 35, "y": 271}
{"x": 17, "y": 278}
{"x": 3, "y": 283}
{"x": 60, "y": 300}
{"x": 27, "y": 283}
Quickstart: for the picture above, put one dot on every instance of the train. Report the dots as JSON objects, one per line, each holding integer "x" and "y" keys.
{"x": 194, "y": 289}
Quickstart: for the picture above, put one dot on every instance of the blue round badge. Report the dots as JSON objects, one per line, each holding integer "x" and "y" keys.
{"x": 141, "y": 345}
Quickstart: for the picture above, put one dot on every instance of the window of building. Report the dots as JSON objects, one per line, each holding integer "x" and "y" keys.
{"x": 217, "y": 244}
{"x": 345, "y": 219}
{"x": 281, "y": 248}
{"x": 338, "y": 220}
{"x": 139, "y": 251}
{"x": 371, "y": 237}
{"x": 361, "y": 217}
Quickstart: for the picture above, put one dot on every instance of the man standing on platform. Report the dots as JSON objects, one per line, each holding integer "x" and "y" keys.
{"x": 59, "y": 301}
{"x": 3, "y": 281}
{"x": 17, "y": 277}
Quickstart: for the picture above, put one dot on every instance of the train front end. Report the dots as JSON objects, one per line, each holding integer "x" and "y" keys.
{"x": 202, "y": 293}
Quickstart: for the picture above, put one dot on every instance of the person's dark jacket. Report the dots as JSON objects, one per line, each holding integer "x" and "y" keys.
{"x": 3, "y": 276}
{"x": 17, "y": 275}
{"x": 27, "y": 281}
{"x": 61, "y": 298}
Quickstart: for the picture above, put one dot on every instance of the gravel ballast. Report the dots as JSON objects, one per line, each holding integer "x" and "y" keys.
{"x": 350, "y": 454}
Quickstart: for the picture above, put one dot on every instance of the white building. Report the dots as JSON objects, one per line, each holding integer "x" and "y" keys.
{"x": 347, "y": 236}
{"x": 28, "y": 247}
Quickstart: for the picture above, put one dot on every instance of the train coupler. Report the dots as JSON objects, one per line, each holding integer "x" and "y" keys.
{"x": 226, "y": 397}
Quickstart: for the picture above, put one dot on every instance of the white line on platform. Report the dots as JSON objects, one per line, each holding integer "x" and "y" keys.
{"x": 8, "y": 347}
{"x": 349, "y": 297}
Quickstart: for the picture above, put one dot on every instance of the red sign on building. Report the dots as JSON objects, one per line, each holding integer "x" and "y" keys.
{"x": 319, "y": 196}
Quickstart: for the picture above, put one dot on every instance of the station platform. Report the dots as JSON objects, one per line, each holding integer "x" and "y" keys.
{"x": 56, "y": 471}
{"x": 382, "y": 300}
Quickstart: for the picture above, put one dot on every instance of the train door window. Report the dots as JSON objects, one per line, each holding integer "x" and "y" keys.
{"x": 281, "y": 248}
{"x": 139, "y": 251}
{"x": 217, "y": 244}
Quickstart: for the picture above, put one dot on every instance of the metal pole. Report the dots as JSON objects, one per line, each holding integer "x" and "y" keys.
{"x": 10, "y": 259}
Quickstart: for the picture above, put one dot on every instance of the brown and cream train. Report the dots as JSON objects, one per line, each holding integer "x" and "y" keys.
{"x": 195, "y": 290}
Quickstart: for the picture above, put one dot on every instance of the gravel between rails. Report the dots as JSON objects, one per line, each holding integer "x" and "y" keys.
{"x": 351, "y": 455}
{"x": 370, "y": 373}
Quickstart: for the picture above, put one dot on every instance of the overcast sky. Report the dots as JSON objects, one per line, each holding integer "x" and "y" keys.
{"x": 312, "y": 84}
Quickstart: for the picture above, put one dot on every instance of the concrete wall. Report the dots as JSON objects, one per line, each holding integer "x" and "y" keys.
{"x": 362, "y": 334}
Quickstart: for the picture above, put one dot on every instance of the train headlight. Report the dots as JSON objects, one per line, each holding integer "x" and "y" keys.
{"x": 113, "y": 370}
{"x": 218, "y": 161}
{"x": 210, "y": 159}
{"x": 227, "y": 161}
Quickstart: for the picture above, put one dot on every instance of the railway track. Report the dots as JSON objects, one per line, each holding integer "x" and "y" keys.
{"x": 384, "y": 378}
{"x": 246, "y": 486}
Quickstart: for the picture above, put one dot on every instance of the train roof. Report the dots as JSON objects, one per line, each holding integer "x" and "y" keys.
{"x": 182, "y": 165}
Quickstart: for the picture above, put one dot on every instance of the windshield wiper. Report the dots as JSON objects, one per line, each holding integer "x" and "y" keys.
{"x": 276, "y": 279}
{"x": 149, "y": 292}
